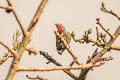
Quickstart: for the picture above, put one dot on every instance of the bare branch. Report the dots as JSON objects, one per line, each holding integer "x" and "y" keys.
{"x": 37, "y": 15}
{"x": 9, "y": 49}
{"x": 31, "y": 50}
{"x": 104, "y": 9}
{"x": 2, "y": 7}
{"x": 37, "y": 77}
{"x": 113, "y": 13}
{"x": 107, "y": 46}
{"x": 99, "y": 23}
{"x": 25, "y": 41}
{"x": 100, "y": 54}
{"x": 11, "y": 8}
{"x": 113, "y": 47}
{"x": 20, "y": 24}
{"x": 68, "y": 48}
{"x": 83, "y": 66}
{"x": 9, "y": 2}
{"x": 106, "y": 59}
{"x": 48, "y": 57}
{"x": 4, "y": 58}
{"x": 98, "y": 35}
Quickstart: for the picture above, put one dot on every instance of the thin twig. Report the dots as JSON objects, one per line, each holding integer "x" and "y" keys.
{"x": 37, "y": 77}
{"x": 2, "y": 7}
{"x": 9, "y": 49}
{"x": 113, "y": 47}
{"x": 31, "y": 50}
{"x": 4, "y": 58}
{"x": 19, "y": 22}
{"x": 106, "y": 58}
{"x": 99, "y": 23}
{"x": 100, "y": 54}
{"x": 98, "y": 35}
{"x": 68, "y": 48}
{"x": 9, "y": 2}
{"x": 15, "y": 63}
{"x": 107, "y": 46}
{"x": 16, "y": 16}
{"x": 82, "y": 66}
{"x": 37, "y": 16}
{"x": 112, "y": 13}
{"x": 48, "y": 57}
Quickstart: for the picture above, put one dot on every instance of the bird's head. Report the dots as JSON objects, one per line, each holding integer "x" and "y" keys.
{"x": 60, "y": 28}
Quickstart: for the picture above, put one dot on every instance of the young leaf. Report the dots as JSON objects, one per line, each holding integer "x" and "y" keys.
{"x": 103, "y": 5}
{"x": 73, "y": 34}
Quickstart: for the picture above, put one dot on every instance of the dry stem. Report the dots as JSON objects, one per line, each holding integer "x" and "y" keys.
{"x": 82, "y": 66}
{"x": 113, "y": 47}
{"x": 4, "y": 58}
{"x": 23, "y": 45}
{"x": 99, "y": 23}
{"x": 48, "y": 57}
{"x": 37, "y": 77}
{"x": 100, "y": 54}
{"x": 36, "y": 16}
{"x": 9, "y": 49}
{"x": 68, "y": 48}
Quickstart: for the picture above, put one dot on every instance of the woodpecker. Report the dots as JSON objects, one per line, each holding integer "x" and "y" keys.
{"x": 66, "y": 35}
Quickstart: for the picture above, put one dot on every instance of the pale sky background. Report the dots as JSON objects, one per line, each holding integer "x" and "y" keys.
{"x": 77, "y": 16}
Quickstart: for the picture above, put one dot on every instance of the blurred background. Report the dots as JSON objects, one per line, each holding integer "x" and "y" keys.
{"x": 75, "y": 15}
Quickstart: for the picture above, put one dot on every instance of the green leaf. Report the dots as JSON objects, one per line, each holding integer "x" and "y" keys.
{"x": 17, "y": 32}
{"x": 103, "y": 5}
{"x": 73, "y": 34}
{"x": 15, "y": 47}
{"x": 18, "y": 42}
{"x": 13, "y": 36}
{"x": 102, "y": 9}
{"x": 98, "y": 44}
{"x": 90, "y": 31}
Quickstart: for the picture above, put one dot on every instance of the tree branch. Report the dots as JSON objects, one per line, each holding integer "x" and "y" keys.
{"x": 99, "y": 23}
{"x": 9, "y": 49}
{"x": 15, "y": 63}
{"x": 68, "y": 48}
{"x": 106, "y": 59}
{"x": 2, "y": 7}
{"x": 9, "y": 2}
{"x": 48, "y": 57}
{"x": 37, "y": 16}
{"x": 11, "y": 8}
{"x": 104, "y": 9}
{"x": 31, "y": 50}
{"x": 4, "y": 58}
{"x": 113, "y": 47}
{"x": 82, "y": 66}
{"x": 37, "y": 77}
{"x": 100, "y": 54}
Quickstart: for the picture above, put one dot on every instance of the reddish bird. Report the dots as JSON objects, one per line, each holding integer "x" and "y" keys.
{"x": 66, "y": 35}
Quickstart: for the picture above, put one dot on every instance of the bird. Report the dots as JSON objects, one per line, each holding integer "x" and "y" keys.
{"x": 66, "y": 35}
